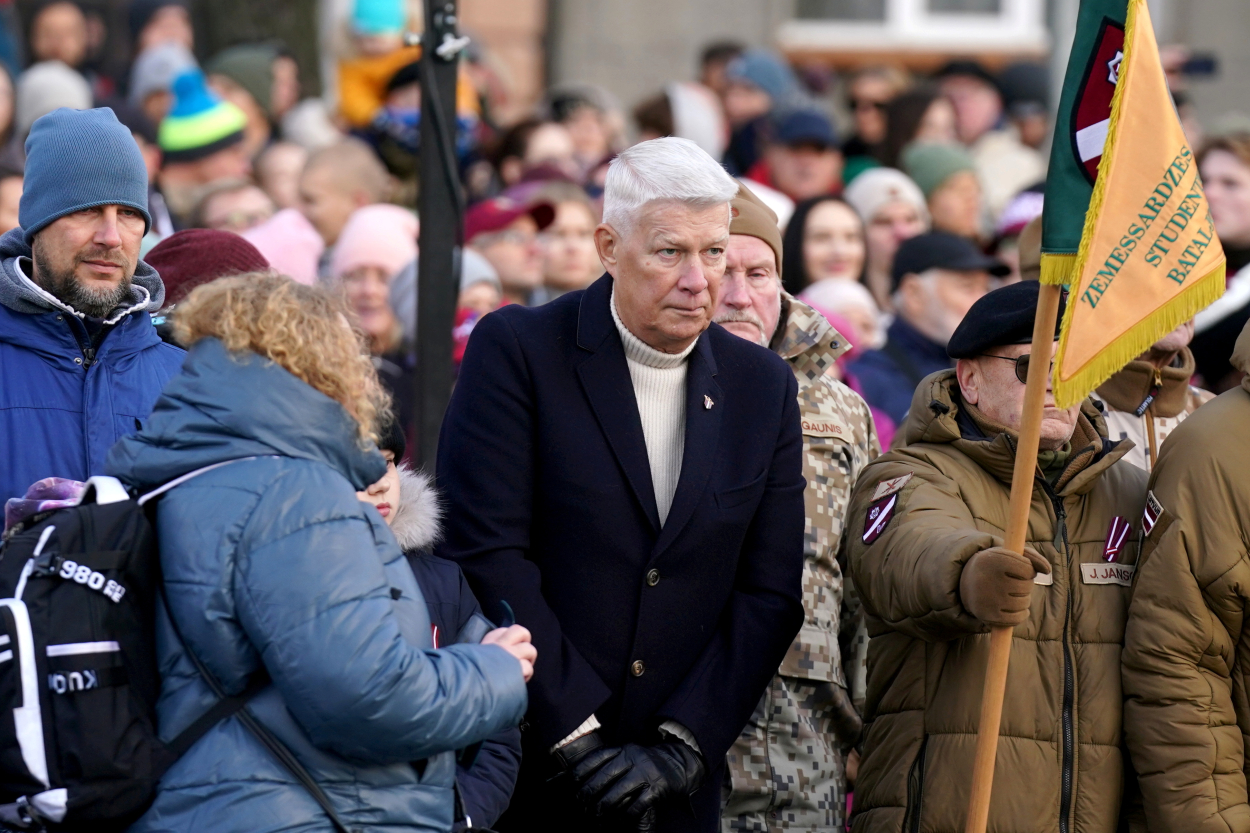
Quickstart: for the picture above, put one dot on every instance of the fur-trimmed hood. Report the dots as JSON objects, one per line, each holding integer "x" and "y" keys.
{"x": 418, "y": 522}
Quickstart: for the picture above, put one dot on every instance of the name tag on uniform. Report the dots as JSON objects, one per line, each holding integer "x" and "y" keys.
{"x": 824, "y": 428}
{"x": 1103, "y": 573}
{"x": 1044, "y": 579}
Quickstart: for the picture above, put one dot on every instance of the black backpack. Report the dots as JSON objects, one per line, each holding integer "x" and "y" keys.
{"x": 79, "y": 588}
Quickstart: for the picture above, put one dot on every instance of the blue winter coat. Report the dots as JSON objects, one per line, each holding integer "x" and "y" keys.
{"x": 889, "y": 376}
{"x": 274, "y": 562}
{"x": 62, "y": 407}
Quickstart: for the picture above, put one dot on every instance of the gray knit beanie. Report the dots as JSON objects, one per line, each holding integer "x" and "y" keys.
{"x": 45, "y": 87}
{"x": 78, "y": 159}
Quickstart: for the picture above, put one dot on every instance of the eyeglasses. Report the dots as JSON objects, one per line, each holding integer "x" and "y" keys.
{"x": 1022, "y": 365}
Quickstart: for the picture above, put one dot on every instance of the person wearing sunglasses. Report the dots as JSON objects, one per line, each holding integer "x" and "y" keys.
{"x": 924, "y": 546}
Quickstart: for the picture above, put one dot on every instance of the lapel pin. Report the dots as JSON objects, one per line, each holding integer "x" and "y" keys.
{"x": 707, "y": 402}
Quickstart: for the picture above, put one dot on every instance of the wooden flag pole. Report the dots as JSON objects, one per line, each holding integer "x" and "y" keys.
{"x": 1017, "y": 528}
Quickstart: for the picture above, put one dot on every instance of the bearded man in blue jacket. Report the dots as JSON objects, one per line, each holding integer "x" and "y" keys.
{"x": 80, "y": 362}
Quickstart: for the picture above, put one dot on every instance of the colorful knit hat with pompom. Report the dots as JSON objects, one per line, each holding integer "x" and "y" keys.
{"x": 200, "y": 123}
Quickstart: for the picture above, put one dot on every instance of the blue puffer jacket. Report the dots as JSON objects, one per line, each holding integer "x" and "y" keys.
{"x": 65, "y": 400}
{"x": 274, "y": 562}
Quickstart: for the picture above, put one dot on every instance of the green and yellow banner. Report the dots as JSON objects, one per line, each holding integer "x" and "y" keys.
{"x": 1146, "y": 258}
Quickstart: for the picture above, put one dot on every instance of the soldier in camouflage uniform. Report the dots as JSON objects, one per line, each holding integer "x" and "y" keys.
{"x": 786, "y": 771}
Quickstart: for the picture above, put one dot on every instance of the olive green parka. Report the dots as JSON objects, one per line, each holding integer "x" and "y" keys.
{"x": 1059, "y": 766}
{"x": 1187, "y": 647}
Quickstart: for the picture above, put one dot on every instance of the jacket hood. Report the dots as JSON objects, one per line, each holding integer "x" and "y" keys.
{"x": 1128, "y": 389}
{"x": 939, "y": 416}
{"x": 418, "y": 521}
{"x": 807, "y": 340}
{"x": 21, "y": 294}
{"x": 225, "y": 406}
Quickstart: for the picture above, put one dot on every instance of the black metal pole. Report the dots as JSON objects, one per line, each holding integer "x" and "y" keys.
{"x": 441, "y": 208}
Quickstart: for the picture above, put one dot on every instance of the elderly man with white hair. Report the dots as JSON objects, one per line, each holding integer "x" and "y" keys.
{"x": 786, "y": 770}
{"x": 624, "y": 476}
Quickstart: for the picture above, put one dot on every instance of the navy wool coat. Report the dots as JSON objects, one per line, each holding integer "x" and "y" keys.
{"x": 551, "y": 509}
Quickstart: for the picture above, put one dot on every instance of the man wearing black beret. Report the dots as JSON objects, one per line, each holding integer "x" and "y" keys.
{"x": 924, "y": 543}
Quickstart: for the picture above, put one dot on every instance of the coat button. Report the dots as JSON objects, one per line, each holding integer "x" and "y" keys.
{"x": 78, "y": 361}
{"x": 637, "y": 668}
{"x": 653, "y": 578}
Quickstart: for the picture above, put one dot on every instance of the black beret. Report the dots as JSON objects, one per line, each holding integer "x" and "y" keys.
{"x": 1004, "y": 316}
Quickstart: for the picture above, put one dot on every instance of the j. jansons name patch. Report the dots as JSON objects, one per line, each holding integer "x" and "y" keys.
{"x": 1104, "y": 573}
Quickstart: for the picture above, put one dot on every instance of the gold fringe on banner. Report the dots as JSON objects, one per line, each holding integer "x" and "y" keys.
{"x": 1134, "y": 341}
{"x": 1137, "y": 339}
{"x": 1057, "y": 270}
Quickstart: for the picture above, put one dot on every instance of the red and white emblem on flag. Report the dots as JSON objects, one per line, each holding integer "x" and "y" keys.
{"x": 1092, "y": 114}
{"x": 1117, "y": 534}
{"x": 878, "y": 518}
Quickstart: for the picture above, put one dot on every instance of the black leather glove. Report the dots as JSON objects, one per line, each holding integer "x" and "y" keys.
{"x": 632, "y": 782}
{"x": 582, "y": 758}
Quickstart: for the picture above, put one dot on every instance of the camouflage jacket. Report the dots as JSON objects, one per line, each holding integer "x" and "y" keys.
{"x": 785, "y": 771}
{"x": 839, "y": 440}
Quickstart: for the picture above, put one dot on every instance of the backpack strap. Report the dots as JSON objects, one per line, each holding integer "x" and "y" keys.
{"x": 178, "y": 481}
{"x": 234, "y": 706}
{"x": 224, "y": 708}
{"x": 228, "y": 706}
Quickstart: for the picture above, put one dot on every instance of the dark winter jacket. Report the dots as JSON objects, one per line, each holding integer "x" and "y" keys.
{"x": 916, "y": 517}
{"x": 66, "y": 396}
{"x": 552, "y": 509}
{"x": 889, "y": 376}
{"x": 274, "y": 563}
{"x": 486, "y": 783}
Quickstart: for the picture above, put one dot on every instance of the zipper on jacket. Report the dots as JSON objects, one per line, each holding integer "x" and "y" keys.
{"x": 1155, "y": 388}
{"x": 915, "y": 788}
{"x": 1069, "y": 683}
{"x": 88, "y": 357}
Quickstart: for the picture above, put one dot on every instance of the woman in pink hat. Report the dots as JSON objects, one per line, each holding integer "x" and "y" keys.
{"x": 377, "y": 242}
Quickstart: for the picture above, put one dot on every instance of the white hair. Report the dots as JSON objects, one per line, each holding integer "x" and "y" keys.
{"x": 663, "y": 169}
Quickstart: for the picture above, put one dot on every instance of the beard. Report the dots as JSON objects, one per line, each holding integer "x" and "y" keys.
{"x": 745, "y": 317}
{"x": 62, "y": 281}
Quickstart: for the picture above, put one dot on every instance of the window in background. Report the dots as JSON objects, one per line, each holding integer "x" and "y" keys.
{"x": 849, "y": 32}
{"x": 841, "y": 9}
{"x": 965, "y": 6}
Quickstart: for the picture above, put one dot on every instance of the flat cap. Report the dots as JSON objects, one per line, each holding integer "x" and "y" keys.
{"x": 1004, "y": 316}
{"x": 942, "y": 250}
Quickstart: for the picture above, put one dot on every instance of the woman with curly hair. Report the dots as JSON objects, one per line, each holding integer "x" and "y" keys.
{"x": 272, "y": 566}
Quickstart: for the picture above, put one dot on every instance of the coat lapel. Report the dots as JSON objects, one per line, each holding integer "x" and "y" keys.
{"x": 605, "y": 378}
{"x": 702, "y": 436}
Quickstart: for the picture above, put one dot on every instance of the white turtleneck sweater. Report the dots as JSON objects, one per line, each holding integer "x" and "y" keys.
{"x": 660, "y": 389}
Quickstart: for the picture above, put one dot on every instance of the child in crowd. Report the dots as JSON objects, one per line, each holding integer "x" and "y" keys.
{"x": 408, "y": 502}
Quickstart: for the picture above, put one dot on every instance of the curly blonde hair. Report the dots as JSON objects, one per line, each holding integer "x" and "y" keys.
{"x": 304, "y": 330}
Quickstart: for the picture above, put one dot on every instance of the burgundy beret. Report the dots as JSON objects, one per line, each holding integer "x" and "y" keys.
{"x": 186, "y": 259}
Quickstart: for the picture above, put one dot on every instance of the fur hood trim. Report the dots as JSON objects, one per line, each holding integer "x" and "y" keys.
{"x": 418, "y": 520}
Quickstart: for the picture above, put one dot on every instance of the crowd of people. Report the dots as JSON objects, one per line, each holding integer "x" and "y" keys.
{"x": 714, "y": 540}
